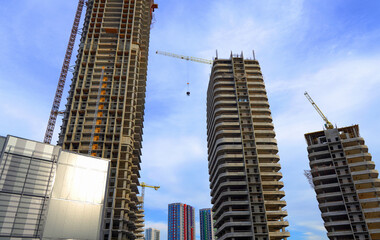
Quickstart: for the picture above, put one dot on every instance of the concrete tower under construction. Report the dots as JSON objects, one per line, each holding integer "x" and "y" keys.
{"x": 242, "y": 153}
{"x": 105, "y": 108}
{"x": 346, "y": 183}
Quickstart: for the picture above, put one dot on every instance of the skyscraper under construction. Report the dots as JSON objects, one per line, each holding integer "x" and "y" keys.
{"x": 242, "y": 152}
{"x": 346, "y": 183}
{"x": 105, "y": 108}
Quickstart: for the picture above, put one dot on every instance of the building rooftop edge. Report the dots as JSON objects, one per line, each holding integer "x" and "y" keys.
{"x": 341, "y": 128}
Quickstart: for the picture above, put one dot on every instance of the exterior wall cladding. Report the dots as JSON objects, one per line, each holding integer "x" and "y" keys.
{"x": 49, "y": 193}
{"x": 346, "y": 183}
{"x": 116, "y": 36}
{"x": 181, "y": 222}
{"x": 206, "y": 224}
{"x": 242, "y": 153}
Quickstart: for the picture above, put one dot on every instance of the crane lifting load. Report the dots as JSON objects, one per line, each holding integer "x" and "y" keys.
{"x": 188, "y": 58}
{"x": 328, "y": 124}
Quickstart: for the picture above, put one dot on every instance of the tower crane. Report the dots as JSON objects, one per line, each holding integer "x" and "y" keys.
{"x": 188, "y": 58}
{"x": 143, "y": 186}
{"x": 328, "y": 124}
{"x": 63, "y": 75}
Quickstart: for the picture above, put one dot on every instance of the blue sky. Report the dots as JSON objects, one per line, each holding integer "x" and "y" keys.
{"x": 329, "y": 48}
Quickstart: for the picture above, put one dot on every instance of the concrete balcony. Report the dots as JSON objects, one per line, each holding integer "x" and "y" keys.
{"x": 334, "y": 213}
{"x": 337, "y": 223}
{"x": 365, "y": 164}
{"x": 372, "y": 212}
{"x": 329, "y": 195}
{"x": 227, "y": 184}
{"x": 276, "y": 166}
{"x": 266, "y": 149}
{"x": 217, "y": 208}
{"x": 224, "y": 148}
{"x": 231, "y": 224}
{"x": 224, "y": 166}
{"x": 275, "y": 193}
{"x": 221, "y": 157}
{"x": 271, "y": 157}
{"x": 236, "y": 235}
{"x": 279, "y": 235}
{"x": 325, "y": 186}
{"x": 274, "y": 175}
{"x": 277, "y": 184}
{"x": 314, "y": 154}
{"x": 228, "y": 193}
{"x": 360, "y": 139}
{"x": 225, "y": 175}
{"x": 356, "y": 147}
{"x": 359, "y": 157}
{"x": 340, "y": 234}
{"x": 256, "y": 117}
{"x": 325, "y": 177}
{"x": 277, "y": 213}
{"x": 365, "y": 174}
{"x": 314, "y": 163}
{"x": 278, "y": 224}
{"x": 266, "y": 125}
{"x": 367, "y": 183}
{"x": 265, "y": 141}
{"x": 368, "y": 190}
{"x": 331, "y": 204}
{"x": 231, "y": 214}
{"x": 275, "y": 203}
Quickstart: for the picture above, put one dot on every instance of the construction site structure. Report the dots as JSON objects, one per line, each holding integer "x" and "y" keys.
{"x": 115, "y": 35}
{"x": 62, "y": 77}
{"x": 244, "y": 168}
{"x": 345, "y": 182}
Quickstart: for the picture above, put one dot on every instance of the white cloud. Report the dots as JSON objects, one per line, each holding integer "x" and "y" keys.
{"x": 313, "y": 236}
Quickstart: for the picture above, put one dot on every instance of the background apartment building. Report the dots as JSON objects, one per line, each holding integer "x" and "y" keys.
{"x": 206, "y": 224}
{"x": 49, "y": 193}
{"x": 346, "y": 183}
{"x": 105, "y": 108}
{"x": 152, "y": 234}
{"x": 181, "y": 222}
{"x": 242, "y": 153}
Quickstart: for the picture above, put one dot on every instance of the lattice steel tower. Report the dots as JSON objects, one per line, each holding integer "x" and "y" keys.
{"x": 109, "y": 104}
{"x": 243, "y": 162}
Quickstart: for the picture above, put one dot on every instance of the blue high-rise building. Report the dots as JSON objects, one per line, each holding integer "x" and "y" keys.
{"x": 207, "y": 224}
{"x": 181, "y": 222}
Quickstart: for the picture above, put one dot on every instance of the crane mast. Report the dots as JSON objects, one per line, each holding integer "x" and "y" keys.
{"x": 328, "y": 124}
{"x": 63, "y": 75}
{"x": 188, "y": 58}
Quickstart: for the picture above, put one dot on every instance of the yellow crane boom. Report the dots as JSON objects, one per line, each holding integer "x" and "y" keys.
{"x": 328, "y": 124}
{"x": 188, "y": 58}
{"x": 143, "y": 186}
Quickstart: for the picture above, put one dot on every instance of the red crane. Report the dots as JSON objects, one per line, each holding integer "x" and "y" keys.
{"x": 62, "y": 78}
